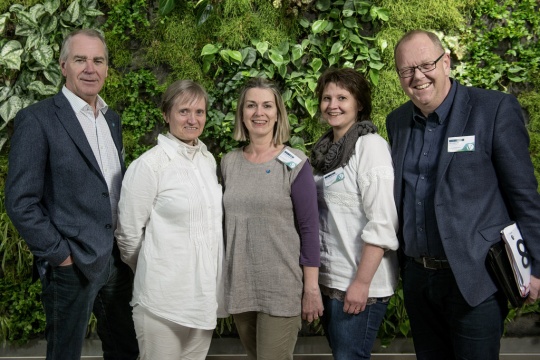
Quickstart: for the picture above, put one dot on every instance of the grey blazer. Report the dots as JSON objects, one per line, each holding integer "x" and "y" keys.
{"x": 479, "y": 192}
{"x": 56, "y": 195}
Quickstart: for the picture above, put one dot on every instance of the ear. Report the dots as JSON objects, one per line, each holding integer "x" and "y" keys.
{"x": 63, "y": 68}
{"x": 165, "y": 118}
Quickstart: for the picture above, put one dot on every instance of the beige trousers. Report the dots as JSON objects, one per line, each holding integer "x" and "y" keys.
{"x": 267, "y": 337}
{"x": 161, "y": 339}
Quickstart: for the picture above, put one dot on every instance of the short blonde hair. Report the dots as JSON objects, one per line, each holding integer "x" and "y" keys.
{"x": 282, "y": 128}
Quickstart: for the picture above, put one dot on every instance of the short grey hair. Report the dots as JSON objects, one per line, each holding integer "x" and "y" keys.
{"x": 66, "y": 44}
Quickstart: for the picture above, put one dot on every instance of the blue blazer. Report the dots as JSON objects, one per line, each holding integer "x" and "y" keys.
{"x": 56, "y": 195}
{"x": 480, "y": 192}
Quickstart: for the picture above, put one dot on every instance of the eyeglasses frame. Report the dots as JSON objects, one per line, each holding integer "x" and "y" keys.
{"x": 413, "y": 68}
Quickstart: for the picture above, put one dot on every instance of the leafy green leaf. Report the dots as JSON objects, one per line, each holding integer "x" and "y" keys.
{"x": 276, "y": 57}
{"x": 374, "y": 76}
{"x": 48, "y": 24}
{"x": 235, "y": 55}
{"x": 92, "y": 12}
{"x": 318, "y": 26}
{"x": 336, "y": 48}
{"x": 323, "y": 5}
{"x": 37, "y": 11}
{"x": 11, "y": 55}
{"x": 3, "y": 21}
{"x": 53, "y": 74}
{"x": 209, "y": 49}
{"x": 304, "y": 22}
{"x": 348, "y": 13}
{"x": 380, "y": 13}
{"x": 51, "y": 6}
{"x": 262, "y": 47}
{"x": 43, "y": 55}
{"x": 250, "y": 56}
{"x": 9, "y": 108}
{"x": 297, "y": 52}
{"x": 72, "y": 13}
{"x": 316, "y": 64}
{"x": 350, "y": 22}
{"x": 4, "y": 92}
{"x": 42, "y": 89}
{"x": 166, "y": 6}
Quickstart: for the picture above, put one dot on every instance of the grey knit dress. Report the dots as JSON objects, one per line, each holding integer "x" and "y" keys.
{"x": 262, "y": 270}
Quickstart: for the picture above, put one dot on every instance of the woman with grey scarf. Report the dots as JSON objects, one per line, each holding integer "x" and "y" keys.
{"x": 357, "y": 213}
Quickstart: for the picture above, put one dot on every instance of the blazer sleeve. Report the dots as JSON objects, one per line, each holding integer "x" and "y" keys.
{"x": 24, "y": 188}
{"x": 515, "y": 174}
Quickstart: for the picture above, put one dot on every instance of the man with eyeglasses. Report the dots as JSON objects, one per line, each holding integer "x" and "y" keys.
{"x": 463, "y": 173}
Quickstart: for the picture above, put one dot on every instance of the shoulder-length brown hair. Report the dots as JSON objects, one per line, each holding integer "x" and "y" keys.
{"x": 282, "y": 127}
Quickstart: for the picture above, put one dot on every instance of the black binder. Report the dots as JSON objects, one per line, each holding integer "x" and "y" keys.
{"x": 500, "y": 265}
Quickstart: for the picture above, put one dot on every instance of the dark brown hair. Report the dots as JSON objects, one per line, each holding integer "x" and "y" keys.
{"x": 352, "y": 81}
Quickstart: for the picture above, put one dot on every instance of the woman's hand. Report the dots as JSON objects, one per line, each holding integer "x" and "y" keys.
{"x": 312, "y": 307}
{"x": 356, "y": 298}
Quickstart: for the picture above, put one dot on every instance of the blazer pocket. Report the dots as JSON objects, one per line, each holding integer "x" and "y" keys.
{"x": 68, "y": 231}
{"x": 493, "y": 233}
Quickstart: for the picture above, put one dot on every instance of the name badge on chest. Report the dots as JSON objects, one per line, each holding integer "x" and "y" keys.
{"x": 289, "y": 159}
{"x": 461, "y": 143}
{"x": 334, "y": 176}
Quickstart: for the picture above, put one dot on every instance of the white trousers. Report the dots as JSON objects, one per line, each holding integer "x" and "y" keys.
{"x": 161, "y": 339}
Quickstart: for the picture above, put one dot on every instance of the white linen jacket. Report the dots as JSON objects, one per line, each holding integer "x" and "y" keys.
{"x": 170, "y": 233}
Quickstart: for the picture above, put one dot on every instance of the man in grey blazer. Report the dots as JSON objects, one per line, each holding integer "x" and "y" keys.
{"x": 62, "y": 190}
{"x": 463, "y": 173}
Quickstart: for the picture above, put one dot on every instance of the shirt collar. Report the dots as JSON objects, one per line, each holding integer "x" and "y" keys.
{"x": 79, "y": 104}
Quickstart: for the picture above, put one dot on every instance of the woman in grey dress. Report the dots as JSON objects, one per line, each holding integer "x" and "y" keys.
{"x": 271, "y": 227}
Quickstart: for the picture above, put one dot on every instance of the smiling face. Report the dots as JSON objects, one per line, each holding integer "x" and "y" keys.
{"x": 426, "y": 90}
{"x": 260, "y": 113}
{"x": 339, "y": 109}
{"x": 85, "y": 67}
{"x": 186, "y": 119}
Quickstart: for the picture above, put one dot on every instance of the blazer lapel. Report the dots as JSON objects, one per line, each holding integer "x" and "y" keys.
{"x": 456, "y": 125}
{"x": 69, "y": 121}
{"x": 400, "y": 143}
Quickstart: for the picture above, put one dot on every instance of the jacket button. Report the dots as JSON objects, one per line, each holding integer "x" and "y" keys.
{"x": 108, "y": 226}
{"x": 105, "y": 195}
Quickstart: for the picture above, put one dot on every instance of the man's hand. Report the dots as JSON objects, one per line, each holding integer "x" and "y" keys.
{"x": 67, "y": 262}
{"x": 534, "y": 293}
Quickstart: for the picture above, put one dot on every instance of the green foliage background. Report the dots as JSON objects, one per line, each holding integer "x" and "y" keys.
{"x": 220, "y": 43}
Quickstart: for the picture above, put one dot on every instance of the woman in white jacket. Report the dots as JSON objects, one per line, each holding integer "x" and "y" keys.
{"x": 358, "y": 218}
{"x": 170, "y": 233}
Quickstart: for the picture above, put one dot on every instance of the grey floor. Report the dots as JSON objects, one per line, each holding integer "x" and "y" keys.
{"x": 307, "y": 348}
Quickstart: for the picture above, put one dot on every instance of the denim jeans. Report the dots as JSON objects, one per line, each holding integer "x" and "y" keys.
{"x": 443, "y": 325}
{"x": 69, "y": 299}
{"x": 351, "y": 336}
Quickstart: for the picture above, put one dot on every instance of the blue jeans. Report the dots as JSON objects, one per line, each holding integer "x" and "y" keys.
{"x": 351, "y": 336}
{"x": 443, "y": 325}
{"x": 69, "y": 299}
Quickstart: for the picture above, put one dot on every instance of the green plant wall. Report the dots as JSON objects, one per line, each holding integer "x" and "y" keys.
{"x": 493, "y": 44}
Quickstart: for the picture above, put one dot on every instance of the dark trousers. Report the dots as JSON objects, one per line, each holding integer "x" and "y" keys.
{"x": 69, "y": 299}
{"x": 443, "y": 325}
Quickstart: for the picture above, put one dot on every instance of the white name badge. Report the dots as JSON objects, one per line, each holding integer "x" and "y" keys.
{"x": 289, "y": 159}
{"x": 461, "y": 143}
{"x": 333, "y": 177}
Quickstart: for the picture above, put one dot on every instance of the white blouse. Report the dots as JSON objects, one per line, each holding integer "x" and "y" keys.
{"x": 356, "y": 210}
{"x": 170, "y": 233}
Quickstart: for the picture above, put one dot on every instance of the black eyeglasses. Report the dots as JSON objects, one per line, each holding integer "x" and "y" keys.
{"x": 424, "y": 68}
